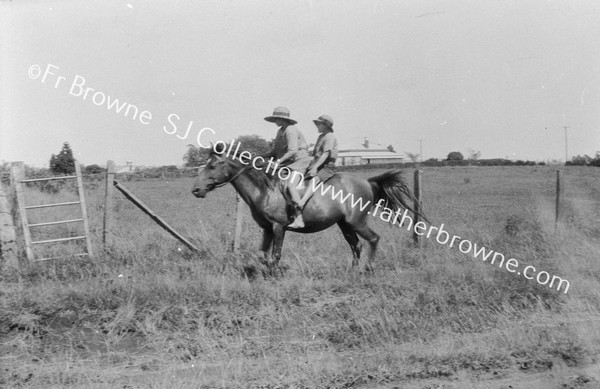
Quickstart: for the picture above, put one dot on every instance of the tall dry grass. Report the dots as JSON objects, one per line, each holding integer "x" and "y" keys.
{"x": 148, "y": 313}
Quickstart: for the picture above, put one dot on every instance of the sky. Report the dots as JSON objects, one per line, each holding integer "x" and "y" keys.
{"x": 499, "y": 77}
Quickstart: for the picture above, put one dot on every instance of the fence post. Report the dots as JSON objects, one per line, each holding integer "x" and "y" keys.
{"x": 8, "y": 242}
{"x": 557, "y": 208}
{"x": 417, "y": 204}
{"x": 237, "y": 236}
{"x": 17, "y": 171}
{"x": 108, "y": 203}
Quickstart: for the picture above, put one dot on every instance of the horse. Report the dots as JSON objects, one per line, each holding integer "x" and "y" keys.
{"x": 263, "y": 194}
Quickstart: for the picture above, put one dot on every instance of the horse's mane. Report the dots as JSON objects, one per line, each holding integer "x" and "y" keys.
{"x": 258, "y": 177}
{"x": 261, "y": 179}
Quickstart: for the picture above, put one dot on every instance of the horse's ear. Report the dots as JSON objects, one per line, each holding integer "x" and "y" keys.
{"x": 219, "y": 148}
{"x": 211, "y": 151}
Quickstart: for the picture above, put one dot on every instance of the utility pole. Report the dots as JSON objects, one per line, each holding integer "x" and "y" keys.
{"x": 566, "y": 145}
{"x": 421, "y": 150}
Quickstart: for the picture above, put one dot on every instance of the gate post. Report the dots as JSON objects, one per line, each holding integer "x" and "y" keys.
{"x": 239, "y": 213}
{"x": 108, "y": 203}
{"x": 8, "y": 242}
{"x": 557, "y": 208}
{"x": 17, "y": 175}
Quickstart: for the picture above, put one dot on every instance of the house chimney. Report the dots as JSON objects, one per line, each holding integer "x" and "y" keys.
{"x": 366, "y": 144}
{"x": 130, "y": 165}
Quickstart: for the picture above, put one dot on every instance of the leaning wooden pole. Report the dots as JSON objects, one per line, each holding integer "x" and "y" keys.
{"x": 153, "y": 216}
{"x": 417, "y": 204}
{"x": 108, "y": 203}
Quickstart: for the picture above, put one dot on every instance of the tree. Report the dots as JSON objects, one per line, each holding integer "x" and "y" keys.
{"x": 63, "y": 163}
{"x": 254, "y": 144}
{"x": 474, "y": 155}
{"x": 196, "y": 156}
{"x": 455, "y": 156}
{"x": 93, "y": 169}
{"x": 412, "y": 156}
{"x": 580, "y": 160}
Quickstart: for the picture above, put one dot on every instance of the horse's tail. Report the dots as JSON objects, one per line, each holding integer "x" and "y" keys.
{"x": 392, "y": 189}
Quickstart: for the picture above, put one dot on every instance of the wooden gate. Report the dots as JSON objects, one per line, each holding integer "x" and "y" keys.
{"x": 18, "y": 179}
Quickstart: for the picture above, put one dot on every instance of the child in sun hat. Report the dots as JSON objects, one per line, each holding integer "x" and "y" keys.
{"x": 291, "y": 151}
{"x": 321, "y": 168}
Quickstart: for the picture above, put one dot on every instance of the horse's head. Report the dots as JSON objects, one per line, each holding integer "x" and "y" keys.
{"x": 216, "y": 171}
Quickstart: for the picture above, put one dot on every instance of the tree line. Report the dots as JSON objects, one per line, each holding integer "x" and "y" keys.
{"x": 63, "y": 163}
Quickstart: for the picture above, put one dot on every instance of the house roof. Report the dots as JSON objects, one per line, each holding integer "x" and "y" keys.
{"x": 123, "y": 169}
{"x": 357, "y": 150}
{"x": 370, "y": 153}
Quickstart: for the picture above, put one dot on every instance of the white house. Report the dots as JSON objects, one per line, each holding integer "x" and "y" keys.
{"x": 363, "y": 155}
{"x": 125, "y": 169}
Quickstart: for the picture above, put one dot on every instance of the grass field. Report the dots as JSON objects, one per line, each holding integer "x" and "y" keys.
{"x": 146, "y": 313}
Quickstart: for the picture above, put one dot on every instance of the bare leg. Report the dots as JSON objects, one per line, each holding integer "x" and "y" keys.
{"x": 352, "y": 240}
{"x": 294, "y": 193}
{"x": 298, "y": 221}
{"x": 309, "y": 191}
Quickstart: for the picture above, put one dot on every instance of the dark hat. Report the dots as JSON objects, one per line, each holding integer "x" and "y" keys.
{"x": 280, "y": 113}
{"x": 326, "y": 120}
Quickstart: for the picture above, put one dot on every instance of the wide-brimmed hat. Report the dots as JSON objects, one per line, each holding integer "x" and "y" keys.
{"x": 280, "y": 113}
{"x": 326, "y": 120}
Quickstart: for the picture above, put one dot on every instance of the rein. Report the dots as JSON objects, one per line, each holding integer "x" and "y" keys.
{"x": 232, "y": 178}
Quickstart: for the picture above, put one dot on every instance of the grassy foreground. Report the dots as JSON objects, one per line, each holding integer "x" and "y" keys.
{"x": 146, "y": 313}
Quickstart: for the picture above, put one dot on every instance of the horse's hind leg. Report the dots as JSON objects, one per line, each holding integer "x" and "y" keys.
{"x": 352, "y": 240}
{"x": 370, "y": 236}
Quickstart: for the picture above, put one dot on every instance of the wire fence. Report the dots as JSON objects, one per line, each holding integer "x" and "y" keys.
{"x": 90, "y": 178}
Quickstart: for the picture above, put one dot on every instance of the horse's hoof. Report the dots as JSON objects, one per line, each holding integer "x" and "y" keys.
{"x": 250, "y": 272}
{"x": 272, "y": 273}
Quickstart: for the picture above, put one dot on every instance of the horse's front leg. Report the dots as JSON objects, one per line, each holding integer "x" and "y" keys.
{"x": 266, "y": 243}
{"x": 278, "y": 235}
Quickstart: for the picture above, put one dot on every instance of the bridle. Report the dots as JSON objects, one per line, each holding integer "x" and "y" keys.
{"x": 232, "y": 178}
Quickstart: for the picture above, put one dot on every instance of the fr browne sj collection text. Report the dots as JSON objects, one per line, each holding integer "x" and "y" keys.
{"x": 79, "y": 88}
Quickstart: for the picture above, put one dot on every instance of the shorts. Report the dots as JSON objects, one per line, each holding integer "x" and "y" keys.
{"x": 325, "y": 173}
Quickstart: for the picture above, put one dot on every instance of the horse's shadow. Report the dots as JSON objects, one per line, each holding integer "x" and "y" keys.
{"x": 253, "y": 267}
{"x": 252, "y": 272}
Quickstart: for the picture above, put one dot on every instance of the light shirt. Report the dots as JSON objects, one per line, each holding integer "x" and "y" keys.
{"x": 326, "y": 142}
{"x": 289, "y": 143}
